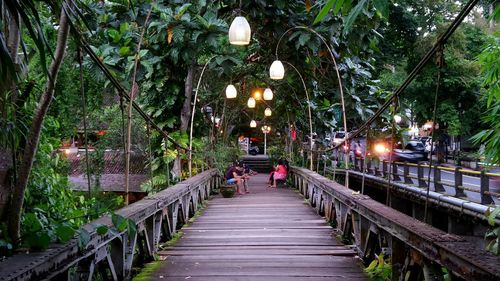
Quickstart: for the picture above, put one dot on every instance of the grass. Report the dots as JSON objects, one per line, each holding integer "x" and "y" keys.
{"x": 148, "y": 271}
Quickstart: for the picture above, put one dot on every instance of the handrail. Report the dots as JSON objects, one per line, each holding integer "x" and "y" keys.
{"x": 379, "y": 168}
{"x": 372, "y": 226}
{"x": 156, "y": 217}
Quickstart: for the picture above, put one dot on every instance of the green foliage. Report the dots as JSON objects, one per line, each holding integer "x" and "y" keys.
{"x": 450, "y": 115}
{"x": 351, "y": 17}
{"x": 344, "y": 6}
{"x": 490, "y": 68}
{"x": 492, "y": 236}
{"x": 52, "y": 211}
{"x": 222, "y": 155}
{"x": 379, "y": 269}
{"x": 276, "y": 152}
{"x": 119, "y": 224}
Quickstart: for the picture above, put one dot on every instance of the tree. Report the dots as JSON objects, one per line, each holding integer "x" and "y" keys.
{"x": 490, "y": 68}
{"x": 16, "y": 204}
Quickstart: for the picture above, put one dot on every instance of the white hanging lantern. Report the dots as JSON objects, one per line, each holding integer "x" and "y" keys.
{"x": 253, "y": 124}
{"x": 277, "y": 71}
{"x": 231, "y": 92}
{"x": 268, "y": 94}
{"x": 397, "y": 118}
{"x": 268, "y": 112}
{"x": 251, "y": 102}
{"x": 239, "y": 31}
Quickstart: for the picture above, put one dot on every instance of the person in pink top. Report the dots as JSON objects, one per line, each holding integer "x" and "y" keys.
{"x": 280, "y": 172}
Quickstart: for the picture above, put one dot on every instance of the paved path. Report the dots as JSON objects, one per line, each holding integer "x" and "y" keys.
{"x": 269, "y": 234}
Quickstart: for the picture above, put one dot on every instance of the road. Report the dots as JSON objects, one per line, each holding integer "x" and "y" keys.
{"x": 471, "y": 182}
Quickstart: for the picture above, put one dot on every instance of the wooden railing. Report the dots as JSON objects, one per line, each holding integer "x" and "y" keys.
{"x": 415, "y": 248}
{"x": 157, "y": 218}
{"x": 458, "y": 195}
{"x": 382, "y": 169}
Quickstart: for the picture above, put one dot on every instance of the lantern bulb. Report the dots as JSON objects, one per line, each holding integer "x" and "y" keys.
{"x": 268, "y": 112}
{"x": 277, "y": 71}
{"x": 239, "y": 31}
{"x": 268, "y": 94}
{"x": 251, "y": 102}
{"x": 231, "y": 92}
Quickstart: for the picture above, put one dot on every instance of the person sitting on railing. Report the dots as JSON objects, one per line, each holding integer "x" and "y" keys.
{"x": 234, "y": 175}
{"x": 280, "y": 172}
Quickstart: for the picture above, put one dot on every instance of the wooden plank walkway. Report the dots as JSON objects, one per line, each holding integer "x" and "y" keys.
{"x": 269, "y": 234}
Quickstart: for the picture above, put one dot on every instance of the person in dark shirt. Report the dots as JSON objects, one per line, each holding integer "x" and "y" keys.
{"x": 234, "y": 175}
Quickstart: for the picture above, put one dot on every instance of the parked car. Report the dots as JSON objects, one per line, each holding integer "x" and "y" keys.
{"x": 426, "y": 141}
{"x": 254, "y": 150}
{"x": 338, "y": 137}
{"x": 414, "y": 151}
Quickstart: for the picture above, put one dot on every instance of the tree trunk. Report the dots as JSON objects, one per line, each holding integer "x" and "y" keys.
{"x": 9, "y": 84}
{"x": 31, "y": 146}
{"x": 5, "y": 183}
{"x": 188, "y": 93}
{"x": 6, "y": 154}
{"x": 185, "y": 115}
{"x": 14, "y": 37}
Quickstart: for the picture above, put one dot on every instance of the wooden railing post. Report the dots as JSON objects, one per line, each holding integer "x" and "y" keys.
{"x": 369, "y": 166}
{"x": 324, "y": 166}
{"x": 406, "y": 174}
{"x": 459, "y": 192}
{"x": 398, "y": 256}
{"x": 420, "y": 175}
{"x": 485, "y": 187}
{"x": 438, "y": 186}
{"x": 395, "y": 172}
{"x": 376, "y": 170}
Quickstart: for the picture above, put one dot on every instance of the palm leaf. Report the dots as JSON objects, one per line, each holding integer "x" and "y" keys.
{"x": 30, "y": 19}
{"x": 6, "y": 65}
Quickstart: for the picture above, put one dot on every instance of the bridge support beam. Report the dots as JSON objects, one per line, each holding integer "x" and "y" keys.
{"x": 398, "y": 255}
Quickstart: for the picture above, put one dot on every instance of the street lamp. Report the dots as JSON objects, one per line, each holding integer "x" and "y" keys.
{"x": 311, "y": 166}
{"x": 277, "y": 72}
{"x": 190, "y": 160}
{"x": 265, "y": 129}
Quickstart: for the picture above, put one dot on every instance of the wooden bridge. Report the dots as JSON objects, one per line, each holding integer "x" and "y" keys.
{"x": 269, "y": 234}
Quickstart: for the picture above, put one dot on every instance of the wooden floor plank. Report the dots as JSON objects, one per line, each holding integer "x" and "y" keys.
{"x": 269, "y": 234}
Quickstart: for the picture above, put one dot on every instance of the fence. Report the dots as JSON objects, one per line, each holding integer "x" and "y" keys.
{"x": 373, "y": 228}
{"x": 156, "y": 218}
